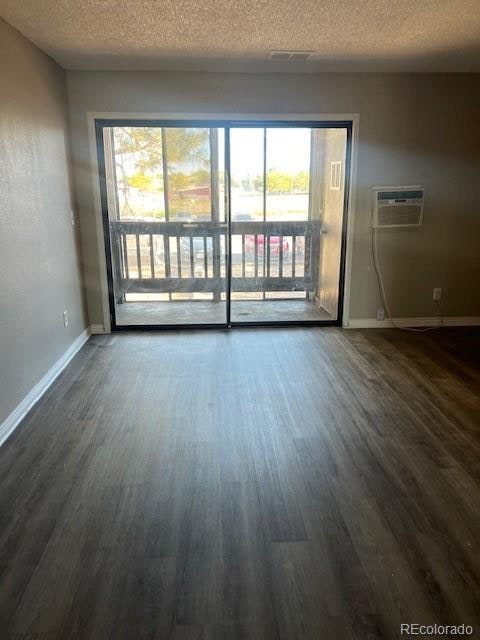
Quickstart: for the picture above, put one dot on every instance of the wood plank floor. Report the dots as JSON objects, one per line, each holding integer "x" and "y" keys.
{"x": 252, "y": 484}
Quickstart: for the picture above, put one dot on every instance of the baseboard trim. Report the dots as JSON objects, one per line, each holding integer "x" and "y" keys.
{"x": 371, "y": 323}
{"x": 97, "y": 329}
{"x": 11, "y": 423}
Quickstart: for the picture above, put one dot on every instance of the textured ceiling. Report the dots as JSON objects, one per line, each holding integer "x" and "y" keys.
{"x": 347, "y": 35}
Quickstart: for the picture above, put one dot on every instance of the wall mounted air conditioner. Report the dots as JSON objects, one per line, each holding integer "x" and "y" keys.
{"x": 398, "y": 206}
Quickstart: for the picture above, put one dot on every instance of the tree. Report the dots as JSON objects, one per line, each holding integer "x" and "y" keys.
{"x": 178, "y": 181}
{"x": 301, "y": 181}
{"x": 279, "y": 182}
{"x": 184, "y": 146}
{"x": 140, "y": 181}
{"x": 139, "y": 160}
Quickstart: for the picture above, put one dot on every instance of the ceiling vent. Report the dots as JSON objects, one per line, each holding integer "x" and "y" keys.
{"x": 298, "y": 56}
{"x": 398, "y": 206}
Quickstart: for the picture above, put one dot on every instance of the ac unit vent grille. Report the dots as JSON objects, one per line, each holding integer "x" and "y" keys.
{"x": 399, "y": 216}
{"x": 398, "y": 206}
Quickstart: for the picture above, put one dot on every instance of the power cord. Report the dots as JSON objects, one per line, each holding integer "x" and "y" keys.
{"x": 383, "y": 294}
{"x": 441, "y": 316}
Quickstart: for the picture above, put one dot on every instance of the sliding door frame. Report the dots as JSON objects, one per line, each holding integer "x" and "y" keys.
{"x": 100, "y": 123}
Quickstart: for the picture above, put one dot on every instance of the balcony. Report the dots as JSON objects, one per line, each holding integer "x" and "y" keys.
{"x": 171, "y": 272}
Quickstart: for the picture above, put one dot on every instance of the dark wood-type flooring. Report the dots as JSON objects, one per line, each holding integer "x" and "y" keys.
{"x": 252, "y": 484}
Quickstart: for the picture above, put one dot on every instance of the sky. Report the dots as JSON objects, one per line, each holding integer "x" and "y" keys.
{"x": 288, "y": 150}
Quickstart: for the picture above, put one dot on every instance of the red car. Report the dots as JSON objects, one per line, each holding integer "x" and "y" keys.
{"x": 274, "y": 245}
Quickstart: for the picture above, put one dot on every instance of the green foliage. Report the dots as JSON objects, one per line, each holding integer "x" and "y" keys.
{"x": 189, "y": 145}
{"x": 144, "y": 142}
{"x": 178, "y": 181}
{"x": 188, "y": 160}
{"x": 140, "y": 181}
{"x": 139, "y": 168}
{"x": 184, "y": 146}
{"x": 278, "y": 182}
{"x": 281, "y": 182}
{"x": 301, "y": 181}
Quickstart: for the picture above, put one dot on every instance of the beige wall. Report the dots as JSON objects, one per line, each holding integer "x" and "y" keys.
{"x": 413, "y": 129}
{"x": 39, "y": 275}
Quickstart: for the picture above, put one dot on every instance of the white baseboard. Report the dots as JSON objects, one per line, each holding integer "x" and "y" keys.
{"x": 97, "y": 329}
{"x": 371, "y": 323}
{"x": 21, "y": 410}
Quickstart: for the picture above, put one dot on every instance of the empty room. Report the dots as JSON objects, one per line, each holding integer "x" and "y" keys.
{"x": 239, "y": 320}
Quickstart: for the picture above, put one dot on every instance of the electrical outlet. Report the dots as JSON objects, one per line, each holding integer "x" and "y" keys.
{"x": 65, "y": 319}
{"x": 381, "y": 314}
{"x": 437, "y": 293}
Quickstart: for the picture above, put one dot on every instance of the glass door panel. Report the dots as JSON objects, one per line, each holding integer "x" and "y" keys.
{"x": 287, "y": 208}
{"x": 166, "y": 223}
{"x": 183, "y": 250}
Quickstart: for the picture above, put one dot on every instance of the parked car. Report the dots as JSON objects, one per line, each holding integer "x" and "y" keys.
{"x": 274, "y": 245}
{"x": 242, "y": 217}
{"x": 198, "y": 248}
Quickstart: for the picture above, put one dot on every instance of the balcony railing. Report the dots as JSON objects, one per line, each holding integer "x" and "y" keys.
{"x": 183, "y": 257}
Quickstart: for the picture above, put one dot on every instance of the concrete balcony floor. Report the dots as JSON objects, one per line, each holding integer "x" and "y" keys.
{"x": 209, "y": 312}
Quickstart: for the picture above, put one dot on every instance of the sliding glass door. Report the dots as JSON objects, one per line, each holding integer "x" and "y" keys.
{"x": 222, "y": 225}
{"x": 165, "y": 209}
{"x": 287, "y": 204}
